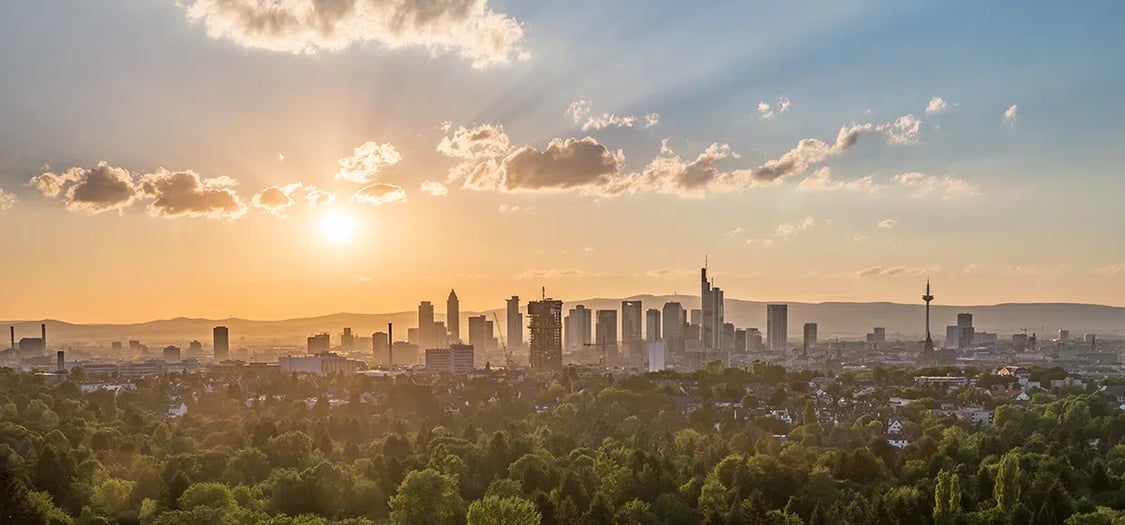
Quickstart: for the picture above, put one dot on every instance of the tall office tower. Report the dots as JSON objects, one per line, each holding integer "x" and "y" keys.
{"x": 579, "y": 324}
{"x": 195, "y": 349}
{"x": 754, "y": 340}
{"x": 605, "y": 336}
{"x": 380, "y": 344}
{"x": 810, "y": 339}
{"x": 545, "y": 324}
{"x": 711, "y": 304}
{"x": 652, "y": 325}
{"x": 727, "y": 338}
{"x": 777, "y": 327}
{"x": 319, "y": 343}
{"x": 696, "y": 316}
{"x": 928, "y": 349}
{"x": 880, "y": 334}
{"x": 515, "y": 323}
{"x": 740, "y": 341}
{"x": 952, "y": 336}
{"x": 220, "y": 342}
{"x": 480, "y": 333}
{"x": 347, "y": 340}
{"x": 674, "y": 328}
{"x": 964, "y": 330}
{"x": 632, "y": 331}
{"x": 453, "y": 317}
{"x": 426, "y": 325}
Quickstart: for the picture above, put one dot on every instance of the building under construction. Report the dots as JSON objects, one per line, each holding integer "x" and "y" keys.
{"x": 545, "y": 323}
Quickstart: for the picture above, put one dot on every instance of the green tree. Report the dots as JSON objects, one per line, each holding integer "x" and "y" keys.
{"x": 209, "y": 494}
{"x": 1006, "y": 490}
{"x": 494, "y": 510}
{"x": 426, "y": 497}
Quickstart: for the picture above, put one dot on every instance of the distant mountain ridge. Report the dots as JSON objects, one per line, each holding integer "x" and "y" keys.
{"x": 835, "y": 319}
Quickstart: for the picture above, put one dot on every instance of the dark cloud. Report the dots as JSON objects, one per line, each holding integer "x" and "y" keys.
{"x": 564, "y": 164}
{"x": 93, "y": 190}
{"x": 185, "y": 194}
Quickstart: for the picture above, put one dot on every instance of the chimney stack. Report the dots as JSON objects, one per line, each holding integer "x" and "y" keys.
{"x": 390, "y": 345}
{"x": 43, "y": 330}
{"x": 62, "y": 362}
{"x": 13, "y": 337}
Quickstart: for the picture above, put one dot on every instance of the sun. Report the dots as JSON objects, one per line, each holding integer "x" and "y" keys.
{"x": 338, "y": 227}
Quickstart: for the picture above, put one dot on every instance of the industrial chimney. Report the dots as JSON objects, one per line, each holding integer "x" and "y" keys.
{"x": 62, "y": 362}
{"x": 390, "y": 345}
{"x": 43, "y": 331}
{"x": 13, "y": 337}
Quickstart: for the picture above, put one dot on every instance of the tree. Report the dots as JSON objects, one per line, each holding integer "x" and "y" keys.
{"x": 947, "y": 498}
{"x": 1006, "y": 490}
{"x": 15, "y": 505}
{"x": 494, "y": 510}
{"x": 426, "y": 497}
{"x": 210, "y": 494}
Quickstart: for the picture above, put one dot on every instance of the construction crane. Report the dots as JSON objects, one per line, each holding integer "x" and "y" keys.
{"x": 508, "y": 363}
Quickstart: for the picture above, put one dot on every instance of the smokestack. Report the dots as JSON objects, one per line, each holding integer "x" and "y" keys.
{"x": 62, "y": 362}
{"x": 390, "y": 345}
{"x": 13, "y": 337}
{"x": 43, "y": 330}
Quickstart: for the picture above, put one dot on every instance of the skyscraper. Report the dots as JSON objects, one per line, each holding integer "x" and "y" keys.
{"x": 579, "y": 324}
{"x": 220, "y": 342}
{"x": 545, "y": 324}
{"x": 515, "y": 323}
{"x": 453, "y": 317}
{"x": 673, "y": 328}
{"x": 632, "y": 331}
{"x": 319, "y": 343}
{"x": 880, "y": 334}
{"x": 480, "y": 333}
{"x": 809, "y": 340}
{"x": 965, "y": 330}
{"x": 711, "y": 299}
{"x": 652, "y": 325}
{"x": 426, "y": 337}
{"x": 347, "y": 340}
{"x": 777, "y": 327}
{"x": 605, "y": 336}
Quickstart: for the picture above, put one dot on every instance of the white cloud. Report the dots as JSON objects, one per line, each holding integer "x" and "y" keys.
{"x": 936, "y": 105}
{"x": 435, "y": 188}
{"x": 766, "y": 111}
{"x": 759, "y": 242}
{"x": 948, "y": 187}
{"x": 787, "y": 229}
{"x": 277, "y": 199}
{"x": 904, "y": 130}
{"x": 580, "y": 112}
{"x": 1010, "y": 114}
{"x": 465, "y": 27}
{"x": 888, "y": 224}
{"x": 511, "y": 208}
{"x": 7, "y": 200}
{"x": 366, "y": 162}
{"x": 821, "y": 180}
{"x": 1112, "y": 269}
{"x": 895, "y": 271}
{"x": 379, "y": 194}
{"x": 736, "y": 231}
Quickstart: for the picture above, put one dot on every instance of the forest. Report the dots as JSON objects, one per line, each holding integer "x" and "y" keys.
{"x": 580, "y": 447}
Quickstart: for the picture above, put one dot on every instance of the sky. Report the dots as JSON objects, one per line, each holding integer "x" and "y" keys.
{"x": 266, "y": 160}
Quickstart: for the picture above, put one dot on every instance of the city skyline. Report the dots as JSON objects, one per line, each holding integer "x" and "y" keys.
{"x": 291, "y": 174}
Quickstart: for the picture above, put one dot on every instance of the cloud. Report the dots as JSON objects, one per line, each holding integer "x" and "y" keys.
{"x": 896, "y": 271}
{"x": 821, "y": 180}
{"x": 669, "y": 272}
{"x": 186, "y": 194}
{"x": 970, "y": 268}
{"x": 556, "y": 273}
{"x": 887, "y": 224}
{"x": 579, "y": 112}
{"x": 858, "y": 237}
{"x": 94, "y": 190}
{"x": 365, "y": 163}
{"x": 787, "y": 229}
{"x": 669, "y": 173}
{"x": 759, "y": 242}
{"x": 948, "y": 187}
{"x": 936, "y": 105}
{"x": 378, "y": 194}
{"x": 273, "y": 199}
{"x": 435, "y": 188}
{"x": 565, "y": 164}
{"x": 904, "y": 130}
{"x": 7, "y": 200}
{"x": 276, "y": 199}
{"x": 736, "y": 231}
{"x": 1010, "y": 114}
{"x": 1112, "y": 269}
{"x": 765, "y": 111}
{"x": 467, "y": 28}
{"x": 511, "y": 208}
